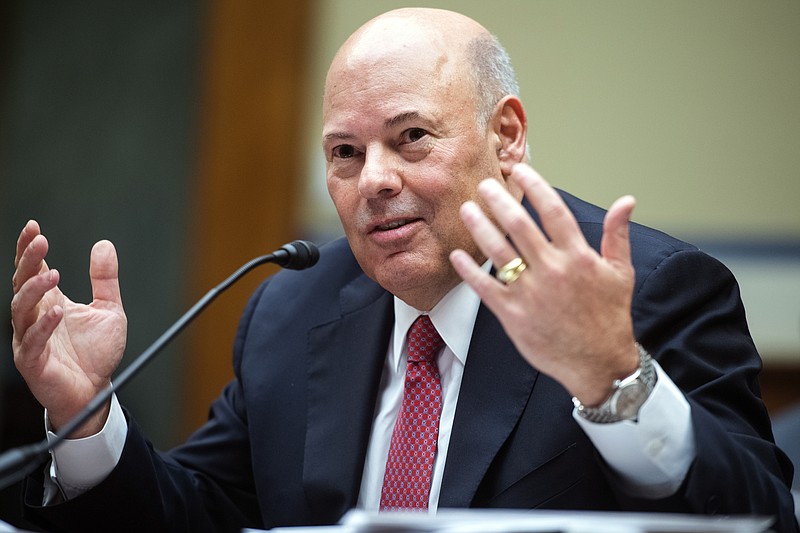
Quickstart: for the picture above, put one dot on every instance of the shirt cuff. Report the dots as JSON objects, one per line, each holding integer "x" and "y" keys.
{"x": 651, "y": 456}
{"x": 80, "y": 464}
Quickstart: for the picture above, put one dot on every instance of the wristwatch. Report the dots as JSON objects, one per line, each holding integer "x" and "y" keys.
{"x": 627, "y": 394}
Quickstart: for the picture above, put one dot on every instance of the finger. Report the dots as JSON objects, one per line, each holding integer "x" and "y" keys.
{"x": 27, "y": 234}
{"x": 25, "y": 303}
{"x": 31, "y": 346}
{"x": 484, "y": 285}
{"x": 557, "y": 220}
{"x": 486, "y": 235}
{"x": 615, "y": 245}
{"x": 30, "y": 261}
{"x": 104, "y": 273}
{"x": 515, "y": 220}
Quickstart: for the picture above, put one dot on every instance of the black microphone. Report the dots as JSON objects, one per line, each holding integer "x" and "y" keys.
{"x": 297, "y": 255}
{"x": 18, "y": 462}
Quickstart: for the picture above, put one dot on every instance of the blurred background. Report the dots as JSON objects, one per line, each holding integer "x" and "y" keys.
{"x": 187, "y": 132}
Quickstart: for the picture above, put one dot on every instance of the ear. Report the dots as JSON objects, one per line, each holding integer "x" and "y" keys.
{"x": 510, "y": 125}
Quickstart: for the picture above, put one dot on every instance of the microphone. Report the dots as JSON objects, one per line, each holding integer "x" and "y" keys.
{"x": 297, "y": 255}
{"x": 18, "y": 462}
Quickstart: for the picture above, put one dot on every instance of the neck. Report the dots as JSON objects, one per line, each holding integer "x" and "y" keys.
{"x": 425, "y": 299}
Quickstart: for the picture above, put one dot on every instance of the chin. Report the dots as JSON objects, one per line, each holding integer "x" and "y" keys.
{"x": 398, "y": 275}
{"x": 418, "y": 283}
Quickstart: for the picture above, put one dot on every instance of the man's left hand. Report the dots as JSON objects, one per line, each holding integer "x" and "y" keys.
{"x": 569, "y": 312}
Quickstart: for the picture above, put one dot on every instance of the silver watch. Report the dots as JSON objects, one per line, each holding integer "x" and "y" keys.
{"x": 627, "y": 394}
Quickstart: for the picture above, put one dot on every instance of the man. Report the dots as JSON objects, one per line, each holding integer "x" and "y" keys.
{"x": 543, "y": 390}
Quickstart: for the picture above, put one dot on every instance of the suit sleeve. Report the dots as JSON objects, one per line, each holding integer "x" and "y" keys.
{"x": 688, "y": 312}
{"x": 204, "y": 485}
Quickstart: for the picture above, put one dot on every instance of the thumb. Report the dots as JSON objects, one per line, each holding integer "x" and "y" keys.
{"x": 615, "y": 245}
{"x": 104, "y": 273}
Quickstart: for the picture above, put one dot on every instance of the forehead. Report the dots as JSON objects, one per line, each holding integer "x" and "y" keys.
{"x": 418, "y": 76}
{"x": 398, "y": 38}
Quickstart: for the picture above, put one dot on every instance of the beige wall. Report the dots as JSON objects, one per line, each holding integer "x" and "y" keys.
{"x": 693, "y": 107}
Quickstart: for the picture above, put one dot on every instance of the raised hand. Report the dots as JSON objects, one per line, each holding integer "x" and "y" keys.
{"x": 66, "y": 351}
{"x": 569, "y": 312}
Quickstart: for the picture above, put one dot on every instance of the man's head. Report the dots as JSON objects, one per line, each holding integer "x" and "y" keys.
{"x": 419, "y": 107}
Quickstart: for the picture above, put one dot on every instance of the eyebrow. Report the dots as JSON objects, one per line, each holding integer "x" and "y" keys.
{"x": 389, "y": 123}
{"x": 399, "y": 119}
{"x": 336, "y": 136}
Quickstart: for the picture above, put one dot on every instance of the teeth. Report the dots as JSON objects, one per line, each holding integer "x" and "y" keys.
{"x": 393, "y": 225}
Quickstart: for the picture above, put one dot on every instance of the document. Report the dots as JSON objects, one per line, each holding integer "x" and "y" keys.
{"x": 8, "y": 528}
{"x": 514, "y": 521}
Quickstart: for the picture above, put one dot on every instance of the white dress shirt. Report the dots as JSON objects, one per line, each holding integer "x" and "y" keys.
{"x": 454, "y": 318}
{"x": 651, "y": 457}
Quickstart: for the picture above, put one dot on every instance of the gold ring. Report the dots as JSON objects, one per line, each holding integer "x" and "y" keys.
{"x": 509, "y": 272}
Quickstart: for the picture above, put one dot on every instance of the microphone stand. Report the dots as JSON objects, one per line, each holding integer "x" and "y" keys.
{"x": 18, "y": 462}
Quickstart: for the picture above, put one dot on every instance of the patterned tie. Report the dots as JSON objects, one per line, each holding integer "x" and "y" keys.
{"x": 407, "y": 482}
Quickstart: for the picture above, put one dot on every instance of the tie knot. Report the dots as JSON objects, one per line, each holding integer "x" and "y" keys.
{"x": 424, "y": 341}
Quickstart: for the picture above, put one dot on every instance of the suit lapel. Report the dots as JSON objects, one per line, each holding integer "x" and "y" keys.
{"x": 345, "y": 360}
{"x": 495, "y": 389}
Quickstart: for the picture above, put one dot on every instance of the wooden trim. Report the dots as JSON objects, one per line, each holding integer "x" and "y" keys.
{"x": 780, "y": 386}
{"x": 248, "y": 170}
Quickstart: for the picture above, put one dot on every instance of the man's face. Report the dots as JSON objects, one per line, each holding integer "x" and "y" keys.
{"x": 403, "y": 153}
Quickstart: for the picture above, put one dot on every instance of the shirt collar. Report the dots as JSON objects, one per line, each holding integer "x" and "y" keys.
{"x": 453, "y": 317}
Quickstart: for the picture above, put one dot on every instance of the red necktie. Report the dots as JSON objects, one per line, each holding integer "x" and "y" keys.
{"x": 407, "y": 481}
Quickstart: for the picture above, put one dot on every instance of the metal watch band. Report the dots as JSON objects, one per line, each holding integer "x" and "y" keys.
{"x": 606, "y": 412}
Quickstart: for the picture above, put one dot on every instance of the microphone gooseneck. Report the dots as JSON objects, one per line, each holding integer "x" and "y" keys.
{"x": 17, "y": 463}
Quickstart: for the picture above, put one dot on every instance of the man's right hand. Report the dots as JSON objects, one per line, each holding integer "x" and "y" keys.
{"x": 66, "y": 351}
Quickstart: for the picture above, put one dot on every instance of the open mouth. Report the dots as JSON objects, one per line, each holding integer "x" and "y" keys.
{"x": 393, "y": 224}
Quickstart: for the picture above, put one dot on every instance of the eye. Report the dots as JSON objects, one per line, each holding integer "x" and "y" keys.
{"x": 344, "y": 151}
{"x": 412, "y": 135}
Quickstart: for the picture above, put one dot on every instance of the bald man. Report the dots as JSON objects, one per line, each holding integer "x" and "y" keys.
{"x": 570, "y": 359}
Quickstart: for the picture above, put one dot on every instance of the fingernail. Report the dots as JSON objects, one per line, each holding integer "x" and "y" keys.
{"x": 523, "y": 173}
{"x": 469, "y": 207}
{"x": 489, "y": 187}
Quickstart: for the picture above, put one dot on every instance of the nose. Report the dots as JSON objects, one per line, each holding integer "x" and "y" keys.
{"x": 380, "y": 175}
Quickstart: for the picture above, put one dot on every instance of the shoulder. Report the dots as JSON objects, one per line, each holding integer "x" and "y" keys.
{"x": 317, "y": 293}
{"x": 651, "y": 249}
{"x": 590, "y": 218}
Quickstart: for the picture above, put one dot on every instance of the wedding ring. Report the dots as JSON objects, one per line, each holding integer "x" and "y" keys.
{"x": 509, "y": 272}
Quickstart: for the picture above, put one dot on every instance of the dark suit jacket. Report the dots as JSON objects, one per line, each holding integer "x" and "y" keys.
{"x": 286, "y": 440}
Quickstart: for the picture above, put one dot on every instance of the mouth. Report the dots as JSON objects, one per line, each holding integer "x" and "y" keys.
{"x": 392, "y": 225}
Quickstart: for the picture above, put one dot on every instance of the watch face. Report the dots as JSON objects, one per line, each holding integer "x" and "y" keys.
{"x": 630, "y": 399}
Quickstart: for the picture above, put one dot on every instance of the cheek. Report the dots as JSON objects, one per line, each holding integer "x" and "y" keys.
{"x": 340, "y": 194}
{"x": 450, "y": 226}
{"x": 346, "y": 200}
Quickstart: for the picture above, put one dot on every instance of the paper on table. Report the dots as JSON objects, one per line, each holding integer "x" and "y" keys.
{"x": 514, "y": 521}
{"x": 8, "y": 528}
